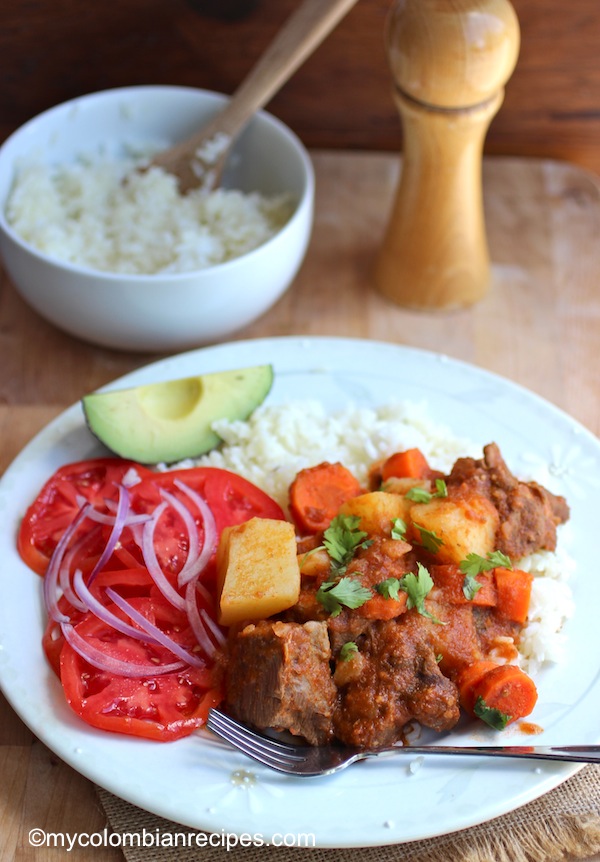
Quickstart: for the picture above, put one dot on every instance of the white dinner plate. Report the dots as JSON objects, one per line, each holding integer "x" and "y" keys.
{"x": 195, "y": 781}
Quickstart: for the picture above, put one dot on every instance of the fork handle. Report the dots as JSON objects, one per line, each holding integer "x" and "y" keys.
{"x": 570, "y": 753}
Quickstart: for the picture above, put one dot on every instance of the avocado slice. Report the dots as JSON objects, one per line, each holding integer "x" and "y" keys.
{"x": 170, "y": 421}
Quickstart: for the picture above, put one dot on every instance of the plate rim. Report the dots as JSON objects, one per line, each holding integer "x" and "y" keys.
{"x": 70, "y": 414}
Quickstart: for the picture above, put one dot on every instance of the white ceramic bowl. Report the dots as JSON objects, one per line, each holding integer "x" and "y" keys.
{"x": 158, "y": 312}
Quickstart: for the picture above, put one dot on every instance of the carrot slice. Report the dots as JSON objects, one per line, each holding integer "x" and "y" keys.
{"x": 317, "y": 493}
{"x": 513, "y": 587}
{"x": 409, "y": 464}
{"x": 382, "y": 608}
{"x": 469, "y": 678}
{"x": 449, "y": 578}
{"x": 509, "y": 690}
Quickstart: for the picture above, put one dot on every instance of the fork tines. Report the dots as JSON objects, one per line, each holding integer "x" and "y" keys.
{"x": 269, "y": 752}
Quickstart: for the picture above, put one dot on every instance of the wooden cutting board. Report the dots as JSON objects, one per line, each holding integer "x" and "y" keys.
{"x": 539, "y": 325}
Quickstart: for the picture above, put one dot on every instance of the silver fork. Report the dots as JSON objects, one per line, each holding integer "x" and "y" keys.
{"x": 307, "y": 761}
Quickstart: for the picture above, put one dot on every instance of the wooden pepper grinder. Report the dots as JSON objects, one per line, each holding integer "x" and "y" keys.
{"x": 450, "y": 60}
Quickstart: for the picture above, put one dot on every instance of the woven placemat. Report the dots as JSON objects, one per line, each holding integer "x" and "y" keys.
{"x": 564, "y": 821}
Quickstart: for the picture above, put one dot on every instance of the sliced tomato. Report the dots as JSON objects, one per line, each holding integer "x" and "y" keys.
{"x": 163, "y": 707}
{"x": 58, "y": 502}
{"x": 53, "y": 640}
{"x": 127, "y": 582}
{"x": 231, "y": 499}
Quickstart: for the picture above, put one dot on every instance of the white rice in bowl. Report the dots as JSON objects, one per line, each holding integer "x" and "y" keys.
{"x": 86, "y": 214}
{"x": 278, "y": 441}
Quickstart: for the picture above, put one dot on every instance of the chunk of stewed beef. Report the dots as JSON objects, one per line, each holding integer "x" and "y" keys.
{"x": 279, "y": 677}
{"x": 529, "y": 513}
{"x": 398, "y": 680}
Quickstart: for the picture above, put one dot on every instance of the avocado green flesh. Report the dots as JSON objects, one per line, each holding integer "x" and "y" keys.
{"x": 170, "y": 421}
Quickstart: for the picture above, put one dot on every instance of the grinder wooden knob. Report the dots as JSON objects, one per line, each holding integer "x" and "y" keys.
{"x": 450, "y": 60}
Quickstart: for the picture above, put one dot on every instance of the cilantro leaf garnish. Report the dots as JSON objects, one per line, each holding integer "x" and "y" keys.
{"x": 496, "y": 719}
{"x": 429, "y": 539}
{"x": 333, "y": 595}
{"x": 342, "y": 539}
{"x": 420, "y": 495}
{"x": 389, "y": 588}
{"x": 417, "y": 587}
{"x": 348, "y": 650}
{"x": 441, "y": 489}
{"x": 398, "y": 528}
{"x": 474, "y": 564}
{"x": 470, "y": 587}
{"x": 497, "y": 558}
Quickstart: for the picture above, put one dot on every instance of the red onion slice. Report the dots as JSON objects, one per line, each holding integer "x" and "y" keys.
{"x": 64, "y": 575}
{"x": 210, "y": 534}
{"x": 192, "y": 531}
{"x": 204, "y": 593}
{"x": 99, "y": 610}
{"x": 137, "y": 532}
{"x": 112, "y": 665}
{"x": 115, "y": 533}
{"x": 196, "y": 622}
{"x": 152, "y": 564}
{"x": 213, "y": 628}
{"x": 154, "y": 631}
{"x": 109, "y": 519}
{"x": 143, "y": 528}
{"x": 51, "y": 588}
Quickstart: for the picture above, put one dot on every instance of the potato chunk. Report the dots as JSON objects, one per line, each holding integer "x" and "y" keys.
{"x": 377, "y": 510}
{"x": 257, "y": 570}
{"x": 464, "y": 526}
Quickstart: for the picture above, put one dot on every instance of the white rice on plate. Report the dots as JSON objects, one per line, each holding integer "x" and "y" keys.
{"x": 278, "y": 441}
{"x": 85, "y": 214}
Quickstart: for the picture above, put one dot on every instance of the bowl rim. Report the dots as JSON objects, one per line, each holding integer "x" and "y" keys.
{"x": 305, "y": 199}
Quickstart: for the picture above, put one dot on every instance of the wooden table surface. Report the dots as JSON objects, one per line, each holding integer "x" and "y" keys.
{"x": 539, "y": 326}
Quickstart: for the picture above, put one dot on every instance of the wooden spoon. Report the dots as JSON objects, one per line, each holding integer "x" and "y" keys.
{"x": 199, "y": 161}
